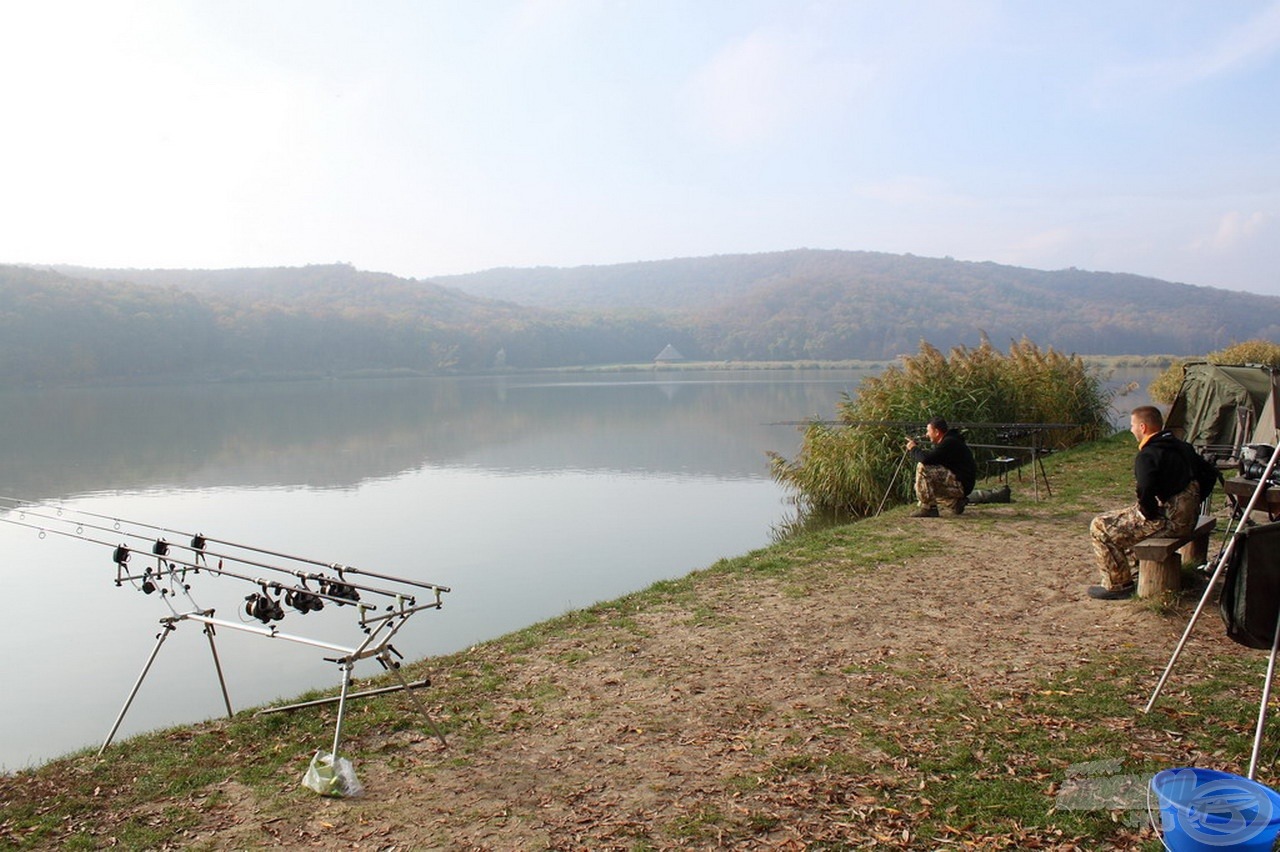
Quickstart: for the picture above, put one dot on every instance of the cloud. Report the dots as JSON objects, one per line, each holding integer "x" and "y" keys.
{"x": 1243, "y": 45}
{"x": 1046, "y": 243}
{"x": 1234, "y": 229}
{"x": 1246, "y": 43}
{"x": 762, "y": 85}
{"x": 740, "y": 94}
{"x": 911, "y": 191}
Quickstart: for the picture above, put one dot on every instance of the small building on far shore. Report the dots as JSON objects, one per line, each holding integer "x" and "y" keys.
{"x": 668, "y": 355}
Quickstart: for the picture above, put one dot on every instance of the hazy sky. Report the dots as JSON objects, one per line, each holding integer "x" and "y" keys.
{"x": 441, "y": 136}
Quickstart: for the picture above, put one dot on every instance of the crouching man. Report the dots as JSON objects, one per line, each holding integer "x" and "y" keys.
{"x": 1168, "y": 504}
{"x": 945, "y": 472}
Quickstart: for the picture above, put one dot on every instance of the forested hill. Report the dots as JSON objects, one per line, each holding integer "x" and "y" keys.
{"x": 67, "y": 324}
{"x": 812, "y": 302}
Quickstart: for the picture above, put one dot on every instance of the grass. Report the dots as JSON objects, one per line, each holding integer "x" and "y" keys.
{"x": 937, "y": 761}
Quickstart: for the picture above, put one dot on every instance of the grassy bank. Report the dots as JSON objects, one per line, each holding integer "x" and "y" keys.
{"x": 887, "y": 684}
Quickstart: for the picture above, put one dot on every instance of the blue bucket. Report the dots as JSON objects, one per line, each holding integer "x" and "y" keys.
{"x": 1203, "y": 810}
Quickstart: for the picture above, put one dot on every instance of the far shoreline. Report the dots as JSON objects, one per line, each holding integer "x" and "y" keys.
{"x": 1100, "y": 362}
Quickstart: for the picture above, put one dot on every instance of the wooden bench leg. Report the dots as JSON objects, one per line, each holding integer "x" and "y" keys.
{"x": 1196, "y": 552}
{"x": 1156, "y": 578}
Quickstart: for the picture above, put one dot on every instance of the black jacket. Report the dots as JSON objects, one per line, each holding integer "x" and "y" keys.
{"x": 1160, "y": 471}
{"x": 953, "y": 454}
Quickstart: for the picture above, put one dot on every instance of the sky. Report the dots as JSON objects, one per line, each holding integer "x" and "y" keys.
{"x": 434, "y": 137}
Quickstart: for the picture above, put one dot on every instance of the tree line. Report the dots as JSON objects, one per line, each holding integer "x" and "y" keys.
{"x": 59, "y": 330}
{"x": 71, "y": 325}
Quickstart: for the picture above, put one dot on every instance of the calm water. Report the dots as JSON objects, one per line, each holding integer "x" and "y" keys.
{"x": 528, "y": 497}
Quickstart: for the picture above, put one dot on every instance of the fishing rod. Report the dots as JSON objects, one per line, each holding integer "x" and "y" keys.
{"x": 341, "y": 591}
{"x": 261, "y": 605}
{"x": 81, "y": 525}
{"x": 203, "y": 540}
{"x": 149, "y": 577}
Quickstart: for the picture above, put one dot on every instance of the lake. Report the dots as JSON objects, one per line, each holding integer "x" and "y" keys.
{"x": 528, "y": 496}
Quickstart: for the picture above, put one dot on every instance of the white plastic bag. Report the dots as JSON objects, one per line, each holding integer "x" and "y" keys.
{"x": 330, "y": 780}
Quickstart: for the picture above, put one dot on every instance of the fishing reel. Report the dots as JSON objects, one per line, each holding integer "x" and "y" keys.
{"x": 198, "y": 542}
{"x": 337, "y": 589}
{"x": 303, "y": 600}
{"x": 263, "y": 607}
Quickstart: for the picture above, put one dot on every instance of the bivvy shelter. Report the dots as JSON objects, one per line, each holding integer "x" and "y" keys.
{"x": 1221, "y": 407}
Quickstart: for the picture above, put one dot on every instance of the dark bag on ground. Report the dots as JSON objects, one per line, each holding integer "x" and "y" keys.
{"x": 990, "y": 495}
{"x": 1250, "y": 596}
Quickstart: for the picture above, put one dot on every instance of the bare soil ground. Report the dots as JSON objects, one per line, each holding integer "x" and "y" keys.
{"x": 720, "y": 719}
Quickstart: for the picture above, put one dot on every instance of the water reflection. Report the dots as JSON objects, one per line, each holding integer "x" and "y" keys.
{"x": 528, "y": 497}
{"x": 338, "y": 434}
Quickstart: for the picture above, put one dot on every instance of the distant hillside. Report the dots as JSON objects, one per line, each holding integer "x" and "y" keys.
{"x": 842, "y": 304}
{"x": 71, "y": 324}
{"x": 331, "y": 287}
{"x": 87, "y": 326}
{"x": 661, "y": 285}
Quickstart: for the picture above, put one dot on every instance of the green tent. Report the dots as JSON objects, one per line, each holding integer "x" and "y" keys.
{"x": 1223, "y": 406}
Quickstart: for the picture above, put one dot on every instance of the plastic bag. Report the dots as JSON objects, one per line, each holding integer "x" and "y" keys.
{"x": 330, "y": 780}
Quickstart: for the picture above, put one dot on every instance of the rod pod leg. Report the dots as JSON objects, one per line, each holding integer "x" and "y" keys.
{"x": 217, "y": 666}
{"x": 435, "y": 729}
{"x": 164, "y": 634}
{"x": 342, "y": 706}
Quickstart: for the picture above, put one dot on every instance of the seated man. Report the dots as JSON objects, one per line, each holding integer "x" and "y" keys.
{"x": 1168, "y": 504}
{"x": 946, "y": 472}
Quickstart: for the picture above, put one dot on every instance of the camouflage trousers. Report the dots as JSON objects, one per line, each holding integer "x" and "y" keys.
{"x": 934, "y": 484}
{"x": 1113, "y": 534}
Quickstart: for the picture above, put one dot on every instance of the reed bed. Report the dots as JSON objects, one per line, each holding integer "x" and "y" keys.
{"x": 857, "y": 465}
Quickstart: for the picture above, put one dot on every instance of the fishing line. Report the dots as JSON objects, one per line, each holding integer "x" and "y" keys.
{"x": 333, "y": 566}
{"x": 341, "y": 590}
{"x": 144, "y": 582}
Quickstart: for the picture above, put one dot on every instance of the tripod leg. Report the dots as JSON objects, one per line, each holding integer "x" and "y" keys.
{"x": 1266, "y": 699}
{"x": 1186, "y": 634}
{"x": 892, "y": 482}
{"x": 1045, "y": 476}
{"x": 217, "y": 665}
{"x": 164, "y": 634}
{"x": 418, "y": 704}
{"x": 342, "y": 708}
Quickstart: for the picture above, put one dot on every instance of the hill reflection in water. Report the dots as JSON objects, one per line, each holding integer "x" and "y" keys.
{"x": 527, "y": 495}
{"x": 338, "y": 434}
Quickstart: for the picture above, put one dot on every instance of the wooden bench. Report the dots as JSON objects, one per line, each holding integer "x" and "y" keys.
{"x": 1160, "y": 559}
